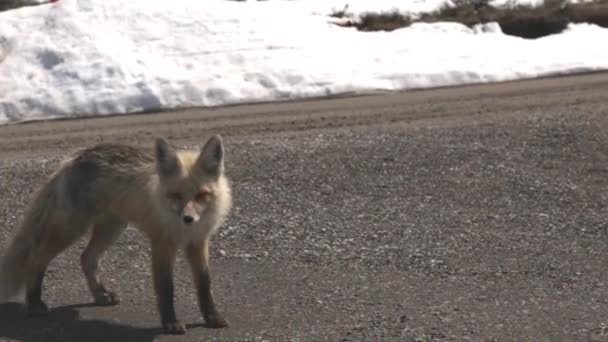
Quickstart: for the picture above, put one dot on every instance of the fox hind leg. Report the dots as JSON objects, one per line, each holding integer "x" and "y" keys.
{"x": 33, "y": 297}
{"x": 105, "y": 233}
{"x": 55, "y": 241}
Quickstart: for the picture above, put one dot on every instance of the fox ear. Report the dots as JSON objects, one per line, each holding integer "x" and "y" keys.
{"x": 211, "y": 158}
{"x": 167, "y": 163}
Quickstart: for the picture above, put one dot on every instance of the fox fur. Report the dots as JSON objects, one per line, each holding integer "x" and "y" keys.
{"x": 177, "y": 198}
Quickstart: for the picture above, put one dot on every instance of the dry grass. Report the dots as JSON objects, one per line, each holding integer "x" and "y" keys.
{"x": 596, "y": 13}
{"x": 380, "y": 21}
{"x": 6, "y": 5}
{"x": 553, "y": 16}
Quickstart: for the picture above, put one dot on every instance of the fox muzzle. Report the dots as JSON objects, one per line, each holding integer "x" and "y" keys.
{"x": 189, "y": 214}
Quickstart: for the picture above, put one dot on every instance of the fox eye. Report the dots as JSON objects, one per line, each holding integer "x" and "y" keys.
{"x": 175, "y": 196}
{"x": 202, "y": 196}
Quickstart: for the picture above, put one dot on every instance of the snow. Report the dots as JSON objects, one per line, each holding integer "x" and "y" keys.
{"x": 78, "y": 58}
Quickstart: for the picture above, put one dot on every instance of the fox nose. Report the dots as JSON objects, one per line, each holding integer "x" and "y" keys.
{"x": 188, "y": 219}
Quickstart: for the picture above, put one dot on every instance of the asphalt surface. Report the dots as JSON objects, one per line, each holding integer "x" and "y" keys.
{"x": 474, "y": 213}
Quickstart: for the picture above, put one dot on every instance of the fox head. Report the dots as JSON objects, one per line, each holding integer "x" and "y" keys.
{"x": 192, "y": 183}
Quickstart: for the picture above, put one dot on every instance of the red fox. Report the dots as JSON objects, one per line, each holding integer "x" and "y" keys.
{"x": 176, "y": 198}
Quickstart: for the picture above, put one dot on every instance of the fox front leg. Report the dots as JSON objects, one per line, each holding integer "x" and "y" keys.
{"x": 163, "y": 259}
{"x": 198, "y": 258}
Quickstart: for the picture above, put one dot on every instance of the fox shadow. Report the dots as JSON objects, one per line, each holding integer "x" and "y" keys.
{"x": 63, "y": 324}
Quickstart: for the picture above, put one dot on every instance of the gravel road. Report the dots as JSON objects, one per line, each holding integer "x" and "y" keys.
{"x": 472, "y": 213}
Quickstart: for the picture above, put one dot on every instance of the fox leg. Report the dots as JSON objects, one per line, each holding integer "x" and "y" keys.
{"x": 105, "y": 233}
{"x": 55, "y": 241}
{"x": 163, "y": 259}
{"x": 33, "y": 296}
{"x": 198, "y": 258}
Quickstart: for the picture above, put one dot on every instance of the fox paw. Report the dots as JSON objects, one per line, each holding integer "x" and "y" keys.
{"x": 216, "y": 321}
{"x": 37, "y": 309}
{"x": 106, "y": 298}
{"x": 174, "y": 328}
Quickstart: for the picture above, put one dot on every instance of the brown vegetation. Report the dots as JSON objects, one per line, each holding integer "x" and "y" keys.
{"x": 551, "y": 17}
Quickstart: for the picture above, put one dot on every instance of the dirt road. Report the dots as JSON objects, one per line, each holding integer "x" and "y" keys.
{"x": 475, "y": 213}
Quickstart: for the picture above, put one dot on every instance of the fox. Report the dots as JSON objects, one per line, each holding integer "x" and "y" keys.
{"x": 176, "y": 197}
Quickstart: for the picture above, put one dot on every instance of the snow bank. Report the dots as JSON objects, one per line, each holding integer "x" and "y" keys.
{"x": 78, "y": 58}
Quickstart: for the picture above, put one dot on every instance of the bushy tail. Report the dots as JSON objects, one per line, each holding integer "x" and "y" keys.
{"x": 16, "y": 258}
